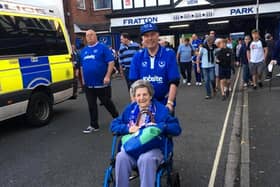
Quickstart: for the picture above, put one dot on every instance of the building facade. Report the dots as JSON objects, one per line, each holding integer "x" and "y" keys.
{"x": 177, "y": 17}
{"x": 81, "y": 15}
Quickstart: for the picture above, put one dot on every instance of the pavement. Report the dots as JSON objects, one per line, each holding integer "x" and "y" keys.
{"x": 264, "y": 135}
{"x": 61, "y": 155}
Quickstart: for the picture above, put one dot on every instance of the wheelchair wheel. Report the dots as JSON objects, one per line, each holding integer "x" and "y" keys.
{"x": 109, "y": 179}
{"x": 174, "y": 179}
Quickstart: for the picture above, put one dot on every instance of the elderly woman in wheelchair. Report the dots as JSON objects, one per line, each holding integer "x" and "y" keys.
{"x": 142, "y": 126}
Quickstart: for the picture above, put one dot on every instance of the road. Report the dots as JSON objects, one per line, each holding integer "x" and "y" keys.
{"x": 264, "y": 135}
{"x": 61, "y": 155}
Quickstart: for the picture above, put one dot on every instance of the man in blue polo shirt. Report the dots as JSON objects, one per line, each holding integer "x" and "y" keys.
{"x": 184, "y": 57}
{"x": 156, "y": 64}
{"x": 97, "y": 63}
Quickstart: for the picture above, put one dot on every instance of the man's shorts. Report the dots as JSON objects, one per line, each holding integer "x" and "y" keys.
{"x": 224, "y": 73}
{"x": 256, "y": 68}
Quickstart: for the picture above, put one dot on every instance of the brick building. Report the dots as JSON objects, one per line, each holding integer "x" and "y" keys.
{"x": 81, "y": 15}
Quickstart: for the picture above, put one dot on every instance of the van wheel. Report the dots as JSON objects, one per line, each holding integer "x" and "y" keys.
{"x": 39, "y": 110}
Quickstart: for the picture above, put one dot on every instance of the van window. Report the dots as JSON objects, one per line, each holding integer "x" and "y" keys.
{"x": 31, "y": 36}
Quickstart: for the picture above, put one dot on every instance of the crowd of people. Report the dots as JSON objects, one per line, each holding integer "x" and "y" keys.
{"x": 212, "y": 59}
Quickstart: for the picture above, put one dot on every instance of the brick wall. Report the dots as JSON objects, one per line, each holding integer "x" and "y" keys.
{"x": 88, "y": 18}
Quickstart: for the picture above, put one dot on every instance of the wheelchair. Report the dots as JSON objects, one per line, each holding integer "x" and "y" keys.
{"x": 164, "y": 170}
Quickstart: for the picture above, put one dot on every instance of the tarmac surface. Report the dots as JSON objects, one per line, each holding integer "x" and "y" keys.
{"x": 264, "y": 124}
{"x": 61, "y": 155}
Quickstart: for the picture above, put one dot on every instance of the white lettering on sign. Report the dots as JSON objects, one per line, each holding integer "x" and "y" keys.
{"x": 242, "y": 11}
{"x": 196, "y": 15}
{"x": 137, "y": 21}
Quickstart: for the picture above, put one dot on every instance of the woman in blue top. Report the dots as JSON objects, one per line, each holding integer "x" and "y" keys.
{"x": 133, "y": 119}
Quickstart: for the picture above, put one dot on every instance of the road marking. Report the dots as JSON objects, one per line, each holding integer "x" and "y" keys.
{"x": 222, "y": 138}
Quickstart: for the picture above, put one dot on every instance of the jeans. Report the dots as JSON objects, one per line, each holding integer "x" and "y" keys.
{"x": 246, "y": 73}
{"x": 186, "y": 66}
{"x": 197, "y": 75}
{"x": 104, "y": 95}
{"x": 209, "y": 77}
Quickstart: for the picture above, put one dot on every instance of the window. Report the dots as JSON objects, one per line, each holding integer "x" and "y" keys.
{"x": 117, "y": 4}
{"x": 102, "y": 4}
{"x": 139, "y": 4}
{"x": 30, "y": 36}
{"x": 81, "y": 4}
{"x": 191, "y": 2}
{"x": 163, "y": 2}
{"x": 151, "y": 3}
{"x": 128, "y": 3}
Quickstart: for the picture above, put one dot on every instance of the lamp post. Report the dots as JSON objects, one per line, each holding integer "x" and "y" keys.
{"x": 257, "y": 14}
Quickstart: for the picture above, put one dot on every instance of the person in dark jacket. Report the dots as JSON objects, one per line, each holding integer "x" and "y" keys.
{"x": 225, "y": 61}
{"x": 244, "y": 61}
{"x": 276, "y": 55}
{"x": 130, "y": 122}
{"x": 270, "y": 48}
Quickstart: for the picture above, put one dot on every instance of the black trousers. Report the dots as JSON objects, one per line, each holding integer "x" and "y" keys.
{"x": 104, "y": 95}
{"x": 186, "y": 66}
{"x": 126, "y": 76}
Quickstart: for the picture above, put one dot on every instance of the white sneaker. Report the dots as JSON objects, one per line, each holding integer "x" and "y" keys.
{"x": 196, "y": 83}
{"x": 189, "y": 84}
{"x": 90, "y": 129}
{"x": 199, "y": 84}
{"x": 184, "y": 81}
{"x": 277, "y": 75}
{"x": 245, "y": 84}
{"x": 270, "y": 67}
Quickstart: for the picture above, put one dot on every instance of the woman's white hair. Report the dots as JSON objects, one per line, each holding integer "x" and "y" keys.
{"x": 141, "y": 84}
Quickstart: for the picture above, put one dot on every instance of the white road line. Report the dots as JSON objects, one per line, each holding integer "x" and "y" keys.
{"x": 222, "y": 138}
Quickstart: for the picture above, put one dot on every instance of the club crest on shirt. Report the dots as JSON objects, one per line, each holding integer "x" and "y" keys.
{"x": 95, "y": 50}
{"x": 161, "y": 64}
{"x": 144, "y": 64}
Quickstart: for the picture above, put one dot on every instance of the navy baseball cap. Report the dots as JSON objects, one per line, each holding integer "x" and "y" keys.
{"x": 148, "y": 27}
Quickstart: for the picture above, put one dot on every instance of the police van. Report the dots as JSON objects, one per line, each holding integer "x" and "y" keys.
{"x": 36, "y": 71}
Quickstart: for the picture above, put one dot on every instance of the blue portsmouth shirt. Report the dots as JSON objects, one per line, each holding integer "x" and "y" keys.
{"x": 95, "y": 60}
{"x": 196, "y": 43}
{"x": 160, "y": 71}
